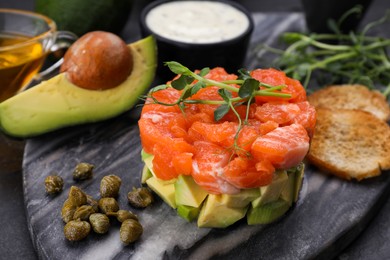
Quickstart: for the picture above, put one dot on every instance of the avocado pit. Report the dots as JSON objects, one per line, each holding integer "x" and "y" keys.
{"x": 98, "y": 61}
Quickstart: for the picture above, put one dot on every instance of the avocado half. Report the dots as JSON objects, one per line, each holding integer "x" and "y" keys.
{"x": 261, "y": 205}
{"x": 57, "y": 103}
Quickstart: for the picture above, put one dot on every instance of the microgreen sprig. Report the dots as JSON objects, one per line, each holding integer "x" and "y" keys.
{"x": 190, "y": 83}
{"x": 249, "y": 88}
{"x": 349, "y": 58}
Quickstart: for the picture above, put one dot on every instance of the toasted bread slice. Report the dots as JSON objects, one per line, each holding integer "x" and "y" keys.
{"x": 351, "y": 97}
{"x": 351, "y": 144}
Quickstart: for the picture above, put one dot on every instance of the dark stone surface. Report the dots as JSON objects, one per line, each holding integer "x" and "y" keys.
{"x": 15, "y": 242}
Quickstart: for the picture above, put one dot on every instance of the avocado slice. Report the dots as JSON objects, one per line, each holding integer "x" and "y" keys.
{"x": 165, "y": 191}
{"x": 272, "y": 191}
{"x": 261, "y": 205}
{"x": 188, "y": 193}
{"x": 187, "y": 212}
{"x": 145, "y": 155}
{"x": 146, "y": 174}
{"x": 295, "y": 177}
{"x": 299, "y": 173}
{"x": 267, "y": 213}
{"x": 242, "y": 199}
{"x": 149, "y": 163}
{"x": 58, "y": 103}
{"x": 288, "y": 192}
{"x": 214, "y": 213}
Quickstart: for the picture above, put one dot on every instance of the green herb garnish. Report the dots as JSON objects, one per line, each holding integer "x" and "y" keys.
{"x": 353, "y": 58}
{"x": 189, "y": 83}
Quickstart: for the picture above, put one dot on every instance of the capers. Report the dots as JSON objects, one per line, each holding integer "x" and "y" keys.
{"x": 83, "y": 212}
{"x": 100, "y": 223}
{"x": 108, "y": 205}
{"x": 109, "y": 186}
{"x": 68, "y": 210}
{"x": 92, "y": 202}
{"x": 53, "y": 184}
{"x": 76, "y": 230}
{"x": 83, "y": 171}
{"x": 140, "y": 197}
{"x": 121, "y": 215}
{"x": 77, "y": 196}
{"x": 130, "y": 231}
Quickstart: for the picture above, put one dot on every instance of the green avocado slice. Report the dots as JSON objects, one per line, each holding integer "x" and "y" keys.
{"x": 57, "y": 103}
{"x": 188, "y": 193}
{"x": 215, "y": 213}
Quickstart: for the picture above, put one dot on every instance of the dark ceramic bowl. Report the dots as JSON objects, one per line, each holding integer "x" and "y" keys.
{"x": 318, "y": 12}
{"x": 229, "y": 54}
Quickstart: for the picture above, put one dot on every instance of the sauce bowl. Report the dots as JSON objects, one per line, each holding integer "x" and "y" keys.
{"x": 198, "y": 33}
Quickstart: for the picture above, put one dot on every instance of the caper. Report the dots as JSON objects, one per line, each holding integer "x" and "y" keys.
{"x": 77, "y": 196}
{"x": 108, "y": 205}
{"x": 68, "y": 210}
{"x": 130, "y": 231}
{"x": 53, "y": 184}
{"x": 83, "y": 171}
{"x": 121, "y": 215}
{"x": 109, "y": 186}
{"x": 92, "y": 202}
{"x": 76, "y": 230}
{"x": 140, "y": 197}
{"x": 83, "y": 212}
{"x": 100, "y": 223}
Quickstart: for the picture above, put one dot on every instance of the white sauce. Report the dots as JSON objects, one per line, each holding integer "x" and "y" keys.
{"x": 197, "y": 21}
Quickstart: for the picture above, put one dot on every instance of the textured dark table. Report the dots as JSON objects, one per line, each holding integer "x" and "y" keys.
{"x": 15, "y": 242}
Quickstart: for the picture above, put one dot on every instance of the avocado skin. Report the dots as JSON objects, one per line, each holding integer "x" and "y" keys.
{"x": 82, "y": 16}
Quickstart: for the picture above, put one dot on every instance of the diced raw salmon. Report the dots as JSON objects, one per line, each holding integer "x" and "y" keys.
{"x": 276, "y": 77}
{"x": 171, "y": 160}
{"x": 279, "y": 112}
{"x": 208, "y": 163}
{"x": 284, "y": 147}
{"x": 243, "y": 173}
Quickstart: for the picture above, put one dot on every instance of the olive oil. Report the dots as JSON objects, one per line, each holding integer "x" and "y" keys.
{"x": 20, "y": 60}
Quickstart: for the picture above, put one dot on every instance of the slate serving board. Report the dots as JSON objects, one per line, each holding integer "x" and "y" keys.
{"x": 329, "y": 214}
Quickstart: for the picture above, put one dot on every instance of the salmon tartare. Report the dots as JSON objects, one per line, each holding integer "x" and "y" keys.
{"x": 243, "y": 149}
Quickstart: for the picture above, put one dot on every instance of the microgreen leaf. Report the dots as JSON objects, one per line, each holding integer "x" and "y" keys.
{"x": 204, "y": 72}
{"x": 198, "y": 86}
{"x": 186, "y": 94}
{"x": 221, "y": 111}
{"x": 248, "y": 88}
{"x": 180, "y": 83}
{"x": 243, "y": 74}
{"x": 177, "y": 68}
{"x": 226, "y": 95}
{"x": 159, "y": 87}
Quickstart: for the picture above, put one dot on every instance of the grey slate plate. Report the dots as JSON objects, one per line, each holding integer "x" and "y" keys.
{"x": 330, "y": 212}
